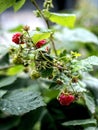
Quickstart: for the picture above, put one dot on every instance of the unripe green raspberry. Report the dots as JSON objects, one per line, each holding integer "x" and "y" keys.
{"x": 34, "y": 75}
{"x": 17, "y": 60}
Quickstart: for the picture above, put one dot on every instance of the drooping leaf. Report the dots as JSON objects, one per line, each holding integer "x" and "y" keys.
{"x": 21, "y": 101}
{"x": 80, "y": 122}
{"x": 89, "y": 101}
{"x": 7, "y": 81}
{"x": 92, "y": 84}
{"x": 4, "y": 4}
{"x": 66, "y": 20}
{"x": 18, "y": 4}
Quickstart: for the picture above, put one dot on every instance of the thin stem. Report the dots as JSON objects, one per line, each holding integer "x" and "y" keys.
{"x": 53, "y": 45}
{"x": 30, "y": 39}
{"x": 51, "y": 38}
{"x": 37, "y": 7}
{"x": 59, "y": 67}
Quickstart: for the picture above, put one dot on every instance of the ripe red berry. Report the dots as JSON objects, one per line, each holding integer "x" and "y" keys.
{"x": 40, "y": 43}
{"x": 66, "y": 99}
{"x": 16, "y": 38}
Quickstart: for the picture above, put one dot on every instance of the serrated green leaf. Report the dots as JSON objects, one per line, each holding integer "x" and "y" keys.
{"x": 92, "y": 60}
{"x": 18, "y": 4}
{"x": 89, "y": 101}
{"x": 66, "y": 20}
{"x": 85, "y": 64}
{"x": 4, "y": 4}
{"x": 77, "y": 87}
{"x": 79, "y": 122}
{"x": 7, "y": 81}
{"x": 21, "y": 101}
{"x": 37, "y": 36}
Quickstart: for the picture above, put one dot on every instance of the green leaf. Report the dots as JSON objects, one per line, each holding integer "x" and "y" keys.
{"x": 92, "y": 84}
{"x": 77, "y": 87}
{"x": 89, "y": 101}
{"x": 78, "y": 35}
{"x": 85, "y": 64}
{"x": 92, "y": 60}
{"x": 66, "y": 20}
{"x": 7, "y": 81}
{"x": 5, "y": 4}
{"x": 15, "y": 70}
{"x": 29, "y": 119}
{"x": 4, "y": 61}
{"x": 16, "y": 29}
{"x": 90, "y": 128}
{"x": 50, "y": 93}
{"x": 37, "y": 36}
{"x": 2, "y": 92}
{"x": 3, "y": 50}
{"x": 18, "y": 4}
{"x": 74, "y": 38}
{"x": 21, "y": 101}
{"x": 46, "y": 72}
{"x": 9, "y": 122}
{"x": 57, "y": 114}
{"x": 79, "y": 122}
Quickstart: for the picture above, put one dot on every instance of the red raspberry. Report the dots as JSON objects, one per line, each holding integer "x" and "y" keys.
{"x": 16, "y": 38}
{"x": 66, "y": 99}
{"x": 40, "y": 43}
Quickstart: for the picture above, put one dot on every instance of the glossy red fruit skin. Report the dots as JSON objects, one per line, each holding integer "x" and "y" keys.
{"x": 40, "y": 43}
{"x": 16, "y": 38}
{"x": 66, "y": 99}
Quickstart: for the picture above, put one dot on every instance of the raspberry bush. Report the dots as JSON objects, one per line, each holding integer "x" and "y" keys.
{"x": 44, "y": 80}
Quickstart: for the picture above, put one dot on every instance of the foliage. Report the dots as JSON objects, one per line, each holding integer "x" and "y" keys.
{"x": 33, "y": 78}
